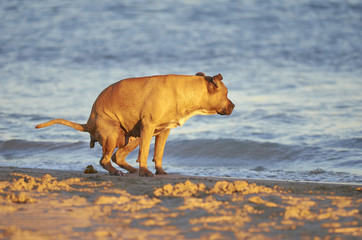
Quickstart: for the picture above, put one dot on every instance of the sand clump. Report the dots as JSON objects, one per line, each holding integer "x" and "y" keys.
{"x": 242, "y": 187}
{"x": 19, "y": 198}
{"x": 46, "y": 183}
{"x": 188, "y": 189}
{"x": 127, "y": 202}
{"x": 25, "y": 188}
{"x": 209, "y": 203}
{"x": 258, "y": 200}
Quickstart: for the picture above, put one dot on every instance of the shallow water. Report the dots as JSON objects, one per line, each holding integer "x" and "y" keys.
{"x": 294, "y": 72}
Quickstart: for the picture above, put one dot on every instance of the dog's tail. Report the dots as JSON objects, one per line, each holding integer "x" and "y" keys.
{"x": 76, "y": 126}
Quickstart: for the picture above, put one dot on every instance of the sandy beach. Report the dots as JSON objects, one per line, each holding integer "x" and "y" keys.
{"x": 51, "y": 204}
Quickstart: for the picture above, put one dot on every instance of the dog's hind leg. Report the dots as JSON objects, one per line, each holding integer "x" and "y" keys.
{"x": 108, "y": 148}
{"x": 108, "y": 138}
{"x": 119, "y": 157}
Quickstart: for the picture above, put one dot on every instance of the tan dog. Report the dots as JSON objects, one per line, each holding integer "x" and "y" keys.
{"x": 130, "y": 112}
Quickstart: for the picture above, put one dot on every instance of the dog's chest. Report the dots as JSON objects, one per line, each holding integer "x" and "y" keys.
{"x": 178, "y": 122}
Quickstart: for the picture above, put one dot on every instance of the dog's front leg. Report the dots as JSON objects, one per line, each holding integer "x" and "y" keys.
{"x": 159, "y": 149}
{"x": 145, "y": 141}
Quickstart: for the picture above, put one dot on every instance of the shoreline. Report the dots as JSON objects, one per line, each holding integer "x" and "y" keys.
{"x": 185, "y": 176}
{"x": 54, "y": 204}
{"x": 266, "y": 181}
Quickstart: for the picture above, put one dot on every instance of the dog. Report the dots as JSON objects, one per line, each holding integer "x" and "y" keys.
{"x": 130, "y": 112}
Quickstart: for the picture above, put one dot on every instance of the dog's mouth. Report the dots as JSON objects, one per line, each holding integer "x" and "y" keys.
{"x": 224, "y": 113}
{"x": 228, "y": 110}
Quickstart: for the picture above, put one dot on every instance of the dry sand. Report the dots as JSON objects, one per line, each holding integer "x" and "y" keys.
{"x": 49, "y": 204}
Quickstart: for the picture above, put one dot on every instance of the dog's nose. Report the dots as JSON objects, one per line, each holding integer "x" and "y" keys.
{"x": 232, "y": 105}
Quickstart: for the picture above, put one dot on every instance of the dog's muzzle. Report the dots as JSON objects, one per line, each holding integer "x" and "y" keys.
{"x": 228, "y": 110}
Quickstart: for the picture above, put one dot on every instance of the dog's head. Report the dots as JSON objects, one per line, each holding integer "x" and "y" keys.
{"x": 217, "y": 94}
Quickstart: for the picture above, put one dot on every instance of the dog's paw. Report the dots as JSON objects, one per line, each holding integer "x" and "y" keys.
{"x": 132, "y": 170}
{"x": 160, "y": 171}
{"x": 116, "y": 173}
{"x": 144, "y": 172}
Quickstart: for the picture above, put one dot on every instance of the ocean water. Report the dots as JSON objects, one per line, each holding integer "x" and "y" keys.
{"x": 293, "y": 69}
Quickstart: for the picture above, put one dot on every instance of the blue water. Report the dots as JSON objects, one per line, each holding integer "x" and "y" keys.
{"x": 293, "y": 69}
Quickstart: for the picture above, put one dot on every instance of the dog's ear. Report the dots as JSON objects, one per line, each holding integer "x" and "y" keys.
{"x": 211, "y": 86}
{"x": 200, "y": 74}
{"x": 219, "y": 77}
{"x": 210, "y": 80}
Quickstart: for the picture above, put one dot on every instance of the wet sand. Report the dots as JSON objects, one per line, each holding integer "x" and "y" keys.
{"x": 51, "y": 204}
